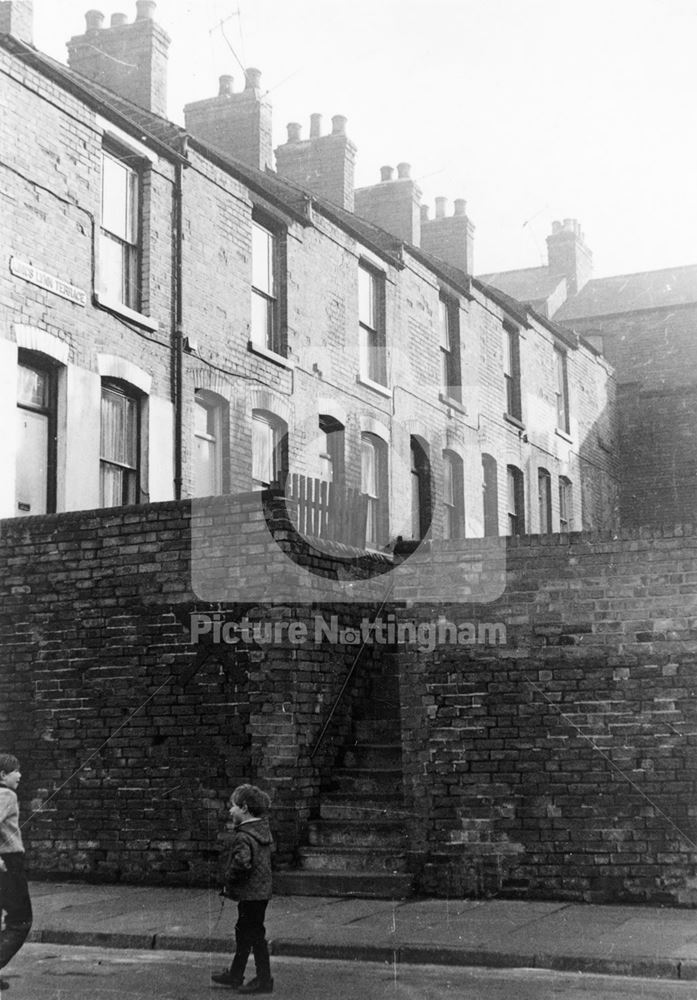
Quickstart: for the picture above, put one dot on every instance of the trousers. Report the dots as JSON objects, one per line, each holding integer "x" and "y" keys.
{"x": 250, "y": 936}
{"x": 15, "y": 906}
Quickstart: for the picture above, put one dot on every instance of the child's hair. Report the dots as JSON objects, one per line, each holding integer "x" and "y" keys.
{"x": 8, "y": 763}
{"x": 253, "y": 798}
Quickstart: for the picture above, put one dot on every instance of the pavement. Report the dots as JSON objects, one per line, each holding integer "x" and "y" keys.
{"x": 613, "y": 940}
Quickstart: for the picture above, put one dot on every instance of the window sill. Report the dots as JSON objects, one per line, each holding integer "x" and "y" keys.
{"x": 509, "y": 418}
{"x": 563, "y": 434}
{"x": 119, "y": 309}
{"x": 375, "y": 386}
{"x": 454, "y": 404}
{"x": 264, "y": 352}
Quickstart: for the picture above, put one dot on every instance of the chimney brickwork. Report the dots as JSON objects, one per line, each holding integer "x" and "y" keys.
{"x": 17, "y": 19}
{"x": 568, "y": 254}
{"x": 128, "y": 58}
{"x": 238, "y": 124}
{"x": 394, "y": 204}
{"x": 449, "y": 237}
{"x": 323, "y": 164}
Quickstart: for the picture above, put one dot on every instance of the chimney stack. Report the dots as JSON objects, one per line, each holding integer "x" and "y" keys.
{"x": 129, "y": 59}
{"x": 17, "y": 19}
{"x": 323, "y": 164}
{"x": 238, "y": 124}
{"x": 450, "y": 237}
{"x": 394, "y": 204}
{"x": 568, "y": 255}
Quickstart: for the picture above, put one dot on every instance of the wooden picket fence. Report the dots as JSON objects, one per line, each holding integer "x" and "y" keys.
{"x": 326, "y": 510}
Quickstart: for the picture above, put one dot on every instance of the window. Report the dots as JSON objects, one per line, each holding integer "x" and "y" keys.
{"x": 565, "y": 504}
{"x": 120, "y": 445}
{"x": 544, "y": 495}
{"x": 266, "y": 321}
{"x": 516, "y": 501}
{"x": 331, "y": 450}
{"x": 208, "y": 440}
{"x": 511, "y": 371}
{"x": 453, "y": 496}
{"x": 35, "y": 456}
{"x": 372, "y": 327}
{"x": 118, "y": 245}
{"x": 561, "y": 390}
{"x": 374, "y": 486}
{"x": 449, "y": 325}
{"x": 269, "y": 450}
{"x": 420, "y": 489}
{"x": 490, "y": 487}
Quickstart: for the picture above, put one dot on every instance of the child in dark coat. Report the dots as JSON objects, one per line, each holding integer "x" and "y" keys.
{"x": 248, "y": 880}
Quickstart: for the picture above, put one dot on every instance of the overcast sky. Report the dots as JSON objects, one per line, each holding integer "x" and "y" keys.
{"x": 531, "y": 110}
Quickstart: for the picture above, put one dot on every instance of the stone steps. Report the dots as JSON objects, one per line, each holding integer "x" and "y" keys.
{"x": 367, "y": 781}
{"x": 360, "y": 885}
{"x": 345, "y": 807}
{"x": 373, "y": 755}
{"x": 353, "y": 859}
{"x": 385, "y": 833}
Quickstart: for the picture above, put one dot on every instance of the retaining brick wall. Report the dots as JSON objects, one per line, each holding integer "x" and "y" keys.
{"x": 130, "y": 736}
{"x": 562, "y": 764}
{"x": 559, "y": 763}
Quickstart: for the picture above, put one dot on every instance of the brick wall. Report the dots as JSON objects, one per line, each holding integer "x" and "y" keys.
{"x": 558, "y": 763}
{"x": 130, "y": 736}
{"x": 561, "y": 764}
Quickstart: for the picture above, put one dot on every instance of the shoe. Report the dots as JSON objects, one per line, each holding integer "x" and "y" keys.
{"x": 257, "y": 986}
{"x": 226, "y": 979}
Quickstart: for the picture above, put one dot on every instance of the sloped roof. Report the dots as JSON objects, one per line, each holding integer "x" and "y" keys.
{"x": 171, "y": 140}
{"x": 672, "y": 286}
{"x": 529, "y": 284}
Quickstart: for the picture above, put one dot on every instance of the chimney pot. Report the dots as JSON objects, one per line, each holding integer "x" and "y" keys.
{"x": 145, "y": 10}
{"x": 460, "y": 207}
{"x": 386, "y": 173}
{"x": 556, "y": 227}
{"x": 225, "y": 83}
{"x": 118, "y": 19}
{"x": 424, "y": 213}
{"x": 339, "y": 124}
{"x": 94, "y": 19}
{"x": 440, "y": 207}
{"x": 294, "y": 129}
{"x": 252, "y": 78}
{"x": 315, "y": 126}
{"x": 404, "y": 171}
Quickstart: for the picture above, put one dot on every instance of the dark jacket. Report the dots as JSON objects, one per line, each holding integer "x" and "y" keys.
{"x": 248, "y": 865}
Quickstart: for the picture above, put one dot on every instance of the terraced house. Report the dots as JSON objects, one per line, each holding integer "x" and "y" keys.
{"x": 179, "y": 319}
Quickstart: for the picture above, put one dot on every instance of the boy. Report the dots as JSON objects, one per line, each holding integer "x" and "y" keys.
{"x": 14, "y": 892}
{"x": 248, "y": 880}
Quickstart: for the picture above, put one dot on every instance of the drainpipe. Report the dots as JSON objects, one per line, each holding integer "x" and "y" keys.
{"x": 178, "y": 321}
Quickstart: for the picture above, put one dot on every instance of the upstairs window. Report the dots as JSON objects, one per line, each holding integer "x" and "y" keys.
{"x": 208, "y": 441}
{"x": 516, "y": 501}
{"x": 453, "y": 496}
{"x": 561, "y": 390}
{"x": 120, "y": 445}
{"x": 119, "y": 262}
{"x": 374, "y": 486}
{"x": 269, "y": 450}
{"x": 511, "y": 371}
{"x": 565, "y": 504}
{"x": 449, "y": 326}
{"x": 35, "y": 464}
{"x": 372, "y": 326}
{"x": 265, "y": 321}
{"x": 544, "y": 496}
